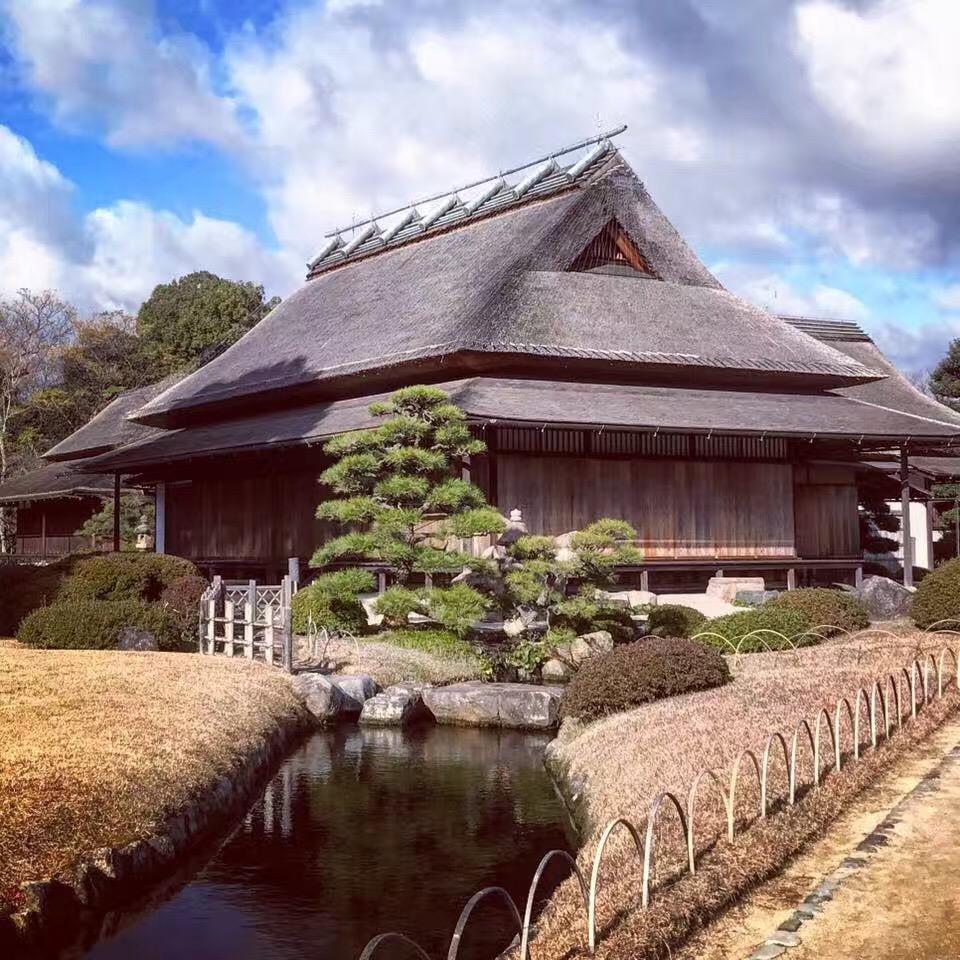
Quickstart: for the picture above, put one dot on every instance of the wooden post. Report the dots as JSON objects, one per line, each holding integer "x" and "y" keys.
{"x": 228, "y": 628}
{"x": 293, "y": 570}
{"x": 381, "y": 583}
{"x": 286, "y": 594}
{"x": 645, "y": 580}
{"x": 791, "y": 578}
{"x": 905, "y": 517}
{"x": 249, "y": 613}
{"x": 268, "y": 633}
{"x": 211, "y": 626}
{"x": 43, "y": 533}
{"x": 116, "y": 512}
{"x": 858, "y": 577}
{"x": 160, "y": 519}
{"x": 252, "y": 597}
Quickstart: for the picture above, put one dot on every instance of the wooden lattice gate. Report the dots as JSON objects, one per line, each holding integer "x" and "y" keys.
{"x": 248, "y": 620}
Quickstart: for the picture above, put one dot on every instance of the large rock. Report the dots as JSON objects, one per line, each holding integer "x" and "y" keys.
{"x": 324, "y": 699}
{"x": 756, "y": 598}
{"x": 357, "y": 689}
{"x": 584, "y": 647}
{"x": 630, "y": 599}
{"x": 726, "y": 588}
{"x": 884, "y": 599}
{"x": 555, "y": 670}
{"x": 397, "y": 705}
{"x": 518, "y": 706}
{"x": 133, "y": 638}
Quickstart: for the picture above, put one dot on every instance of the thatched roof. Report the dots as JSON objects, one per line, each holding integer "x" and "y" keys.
{"x": 894, "y": 390}
{"x": 822, "y": 415}
{"x": 493, "y": 294}
{"x": 53, "y": 481}
{"x": 110, "y": 428}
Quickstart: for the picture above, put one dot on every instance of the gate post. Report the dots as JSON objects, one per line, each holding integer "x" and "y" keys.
{"x": 286, "y": 600}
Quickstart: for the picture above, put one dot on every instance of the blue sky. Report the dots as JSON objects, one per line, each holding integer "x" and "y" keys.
{"x": 806, "y": 148}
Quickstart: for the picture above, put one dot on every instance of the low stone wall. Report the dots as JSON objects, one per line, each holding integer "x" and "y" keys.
{"x": 54, "y": 911}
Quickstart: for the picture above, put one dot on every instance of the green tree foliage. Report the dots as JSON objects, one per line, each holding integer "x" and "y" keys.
{"x": 945, "y": 379}
{"x": 538, "y": 580}
{"x": 135, "y": 509}
{"x": 400, "y": 496}
{"x": 185, "y": 320}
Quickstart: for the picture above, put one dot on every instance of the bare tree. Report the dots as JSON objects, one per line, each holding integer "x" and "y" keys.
{"x": 33, "y": 326}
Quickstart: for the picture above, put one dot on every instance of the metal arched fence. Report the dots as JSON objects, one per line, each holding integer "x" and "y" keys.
{"x": 881, "y": 700}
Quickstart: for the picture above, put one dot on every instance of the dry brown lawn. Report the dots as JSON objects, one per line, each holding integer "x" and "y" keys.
{"x": 97, "y": 747}
{"x": 624, "y": 760}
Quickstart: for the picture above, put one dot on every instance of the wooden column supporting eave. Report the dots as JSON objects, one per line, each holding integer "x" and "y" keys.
{"x": 905, "y": 517}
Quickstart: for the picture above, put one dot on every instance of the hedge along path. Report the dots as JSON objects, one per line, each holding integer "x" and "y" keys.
{"x": 685, "y": 817}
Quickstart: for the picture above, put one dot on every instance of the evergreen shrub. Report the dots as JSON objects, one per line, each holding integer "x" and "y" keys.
{"x": 938, "y": 597}
{"x": 825, "y": 607}
{"x": 636, "y": 673}
{"x": 96, "y": 625}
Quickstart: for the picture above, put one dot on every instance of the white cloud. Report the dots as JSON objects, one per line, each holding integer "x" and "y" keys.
{"x": 113, "y": 256}
{"x": 889, "y": 71}
{"x": 106, "y": 63}
{"x": 779, "y": 295}
{"x": 905, "y": 240}
{"x": 948, "y": 298}
{"x": 347, "y": 125}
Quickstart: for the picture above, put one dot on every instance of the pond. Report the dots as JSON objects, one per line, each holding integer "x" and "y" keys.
{"x": 361, "y": 832}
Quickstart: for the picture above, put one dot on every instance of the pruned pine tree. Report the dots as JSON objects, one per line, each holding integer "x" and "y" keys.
{"x": 403, "y": 502}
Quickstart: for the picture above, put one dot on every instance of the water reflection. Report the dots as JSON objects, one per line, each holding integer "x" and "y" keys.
{"x": 363, "y": 831}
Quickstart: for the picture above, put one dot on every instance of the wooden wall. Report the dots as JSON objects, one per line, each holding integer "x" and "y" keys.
{"x": 265, "y": 517}
{"x": 826, "y": 512}
{"x": 681, "y": 508}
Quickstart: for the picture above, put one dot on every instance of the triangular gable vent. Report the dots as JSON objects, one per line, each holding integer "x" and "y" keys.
{"x": 612, "y": 251}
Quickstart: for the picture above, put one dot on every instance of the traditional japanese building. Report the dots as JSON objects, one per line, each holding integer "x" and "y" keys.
{"x": 610, "y": 373}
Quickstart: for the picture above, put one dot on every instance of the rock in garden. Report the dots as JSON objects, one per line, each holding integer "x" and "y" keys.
{"x": 324, "y": 699}
{"x": 555, "y": 670}
{"x": 357, "y": 689}
{"x": 518, "y": 706}
{"x": 584, "y": 647}
{"x": 726, "y": 588}
{"x": 133, "y": 638}
{"x": 397, "y": 705}
{"x": 631, "y": 599}
{"x": 756, "y": 598}
{"x": 885, "y": 599}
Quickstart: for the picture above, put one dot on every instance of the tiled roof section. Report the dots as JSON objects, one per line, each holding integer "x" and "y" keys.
{"x": 533, "y": 181}
{"x": 824, "y": 329}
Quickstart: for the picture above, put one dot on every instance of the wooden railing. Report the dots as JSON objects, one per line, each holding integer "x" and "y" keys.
{"x": 248, "y": 620}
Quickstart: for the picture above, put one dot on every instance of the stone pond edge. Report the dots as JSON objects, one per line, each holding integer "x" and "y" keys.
{"x": 54, "y": 908}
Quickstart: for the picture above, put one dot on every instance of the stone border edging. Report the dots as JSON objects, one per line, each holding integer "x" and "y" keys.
{"x": 787, "y": 935}
{"x": 54, "y": 909}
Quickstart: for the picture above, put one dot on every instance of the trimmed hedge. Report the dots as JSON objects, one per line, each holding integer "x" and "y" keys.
{"x": 25, "y": 586}
{"x": 823, "y": 606}
{"x": 641, "y": 672}
{"x": 674, "y": 620}
{"x": 124, "y": 576}
{"x": 735, "y": 626}
{"x": 96, "y": 625}
{"x": 938, "y": 596}
{"x": 182, "y": 600}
